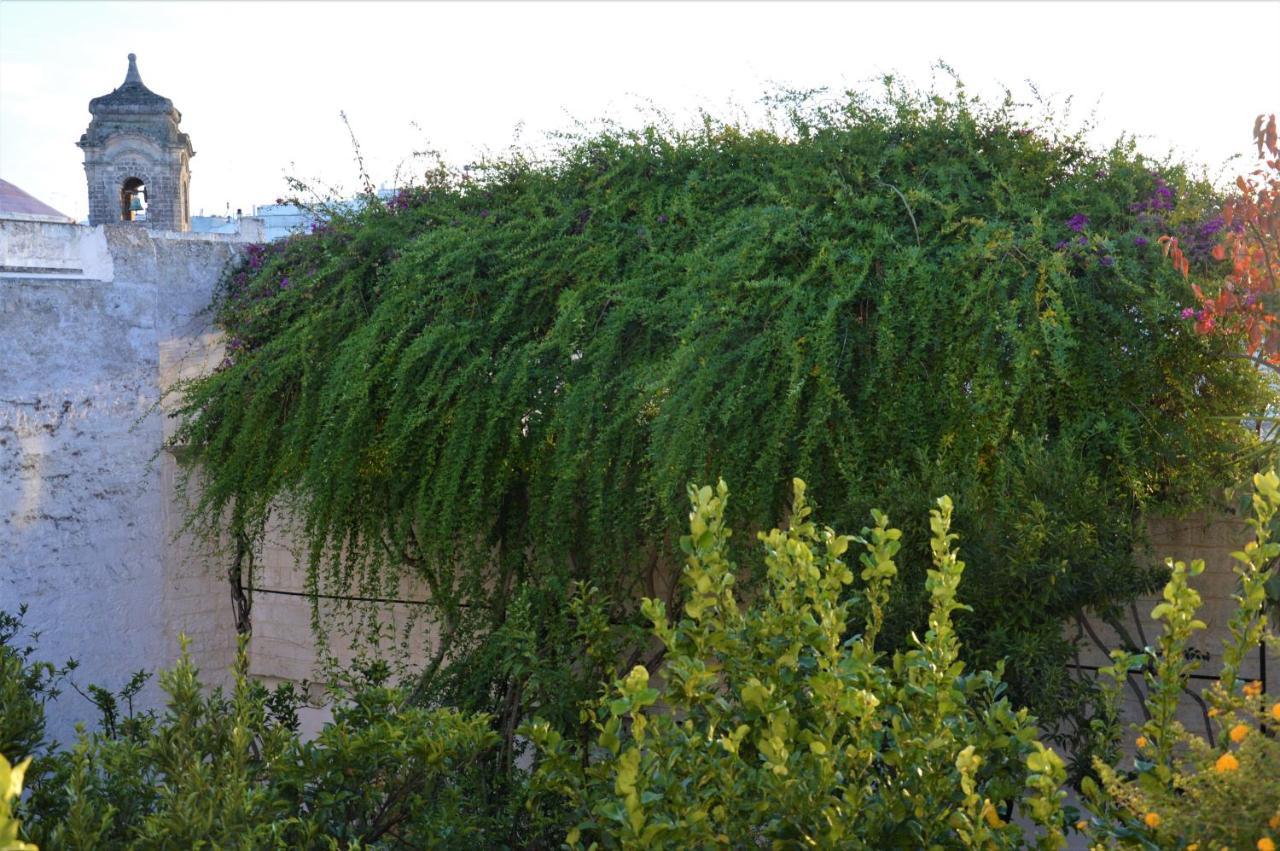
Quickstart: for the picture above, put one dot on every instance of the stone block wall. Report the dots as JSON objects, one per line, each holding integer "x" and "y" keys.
{"x": 284, "y": 645}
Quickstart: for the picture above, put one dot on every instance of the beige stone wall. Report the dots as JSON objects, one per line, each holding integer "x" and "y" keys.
{"x": 284, "y": 645}
{"x": 196, "y": 601}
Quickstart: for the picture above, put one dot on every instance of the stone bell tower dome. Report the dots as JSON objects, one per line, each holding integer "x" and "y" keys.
{"x": 136, "y": 159}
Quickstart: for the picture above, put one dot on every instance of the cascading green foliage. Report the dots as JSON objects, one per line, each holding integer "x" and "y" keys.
{"x": 893, "y": 298}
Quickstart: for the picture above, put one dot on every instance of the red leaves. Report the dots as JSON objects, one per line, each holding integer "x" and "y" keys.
{"x": 1172, "y": 250}
{"x": 1251, "y": 242}
{"x": 1266, "y": 137}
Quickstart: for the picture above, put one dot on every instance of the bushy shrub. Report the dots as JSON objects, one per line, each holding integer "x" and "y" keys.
{"x": 1184, "y": 791}
{"x": 26, "y": 685}
{"x": 215, "y": 770}
{"x": 10, "y": 790}
{"x": 768, "y": 722}
{"x": 769, "y": 725}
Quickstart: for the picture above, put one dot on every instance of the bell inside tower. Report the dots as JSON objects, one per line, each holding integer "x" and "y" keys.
{"x": 133, "y": 201}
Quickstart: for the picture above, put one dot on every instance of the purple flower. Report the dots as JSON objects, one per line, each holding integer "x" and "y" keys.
{"x": 1107, "y": 260}
{"x": 484, "y": 214}
{"x": 1188, "y": 313}
{"x": 662, "y": 218}
{"x": 1084, "y": 240}
{"x": 1161, "y": 199}
{"x": 1212, "y": 226}
{"x": 401, "y": 201}
{"x": 1140, "y": 241}
{"x": 1077, "y": 222}
{"x": 284, "y": 283}
{"x": 1061, "y": 246}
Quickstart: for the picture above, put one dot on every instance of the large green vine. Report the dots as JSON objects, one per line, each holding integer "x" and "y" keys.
{"x": 502, "y": 380}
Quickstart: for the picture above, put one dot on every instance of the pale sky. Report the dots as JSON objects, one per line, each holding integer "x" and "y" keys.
{"x": 260, "y": 85}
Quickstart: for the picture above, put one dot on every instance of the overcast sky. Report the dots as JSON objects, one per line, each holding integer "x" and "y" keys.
{"x": 261, "y": 85}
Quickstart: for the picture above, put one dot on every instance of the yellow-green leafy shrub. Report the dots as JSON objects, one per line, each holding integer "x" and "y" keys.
{"x": 1185, "y": 791}
{"x": 769, "y": 724}
{"x": 10, "y": 791}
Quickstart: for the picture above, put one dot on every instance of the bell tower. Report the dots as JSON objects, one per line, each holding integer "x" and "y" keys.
{"x": 136, "y": 159}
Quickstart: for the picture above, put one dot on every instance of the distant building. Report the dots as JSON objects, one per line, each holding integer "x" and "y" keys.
{"x": 283, "y": 220}
{"x": 276, "y": 221}
{"x": 19, "y": 205}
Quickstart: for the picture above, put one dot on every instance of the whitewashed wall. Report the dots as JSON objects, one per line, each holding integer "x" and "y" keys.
{"x": 93, "y": 323}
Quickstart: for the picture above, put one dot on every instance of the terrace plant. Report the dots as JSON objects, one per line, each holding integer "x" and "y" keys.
{"x": 231, "y": 770}
{"x": 769, "y": 724}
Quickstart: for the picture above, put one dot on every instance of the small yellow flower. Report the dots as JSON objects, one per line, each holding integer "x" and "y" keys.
{"x": 1226, "y": 762}
{"x": 1253, "y": 689}
{"x": 1275, "y": 712}
{"x": 1141, "y": 742}
{"x": 1194, "y": 846}
{"x": 1082, "y": 824}
{"x": 1151, "y": 820}
{"x": 1265, "y": 844}
{"x": 1275, "y": 822}
{"x": 1238, "y": 732}
{"x": 1213, "y": 712}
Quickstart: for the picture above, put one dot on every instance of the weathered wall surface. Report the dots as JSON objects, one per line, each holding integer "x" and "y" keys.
{"x": 95, "y": 322}
{"x": 88, "y": 318}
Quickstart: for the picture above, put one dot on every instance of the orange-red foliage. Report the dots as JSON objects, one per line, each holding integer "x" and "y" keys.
{"x": 1249, "y": 298}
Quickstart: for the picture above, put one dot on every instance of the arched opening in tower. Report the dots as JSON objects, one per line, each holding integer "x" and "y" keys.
{"x": 133, "y": 201}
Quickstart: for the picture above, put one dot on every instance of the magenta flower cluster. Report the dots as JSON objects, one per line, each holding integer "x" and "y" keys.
{"x": 255, "y": 254}
{"x": 1160, "y": 201}
{"x": 1078, "y": 248}
{"x": 400, "y": 201}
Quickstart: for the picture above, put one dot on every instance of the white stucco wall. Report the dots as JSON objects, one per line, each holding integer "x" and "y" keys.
{"x": 95, "y": 322}
{"x": 87, "y": 316}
